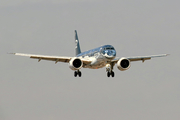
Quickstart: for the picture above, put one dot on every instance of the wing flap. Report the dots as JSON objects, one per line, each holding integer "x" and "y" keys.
{"x": 44, "y": 57}
{"x": 138, "y": 59}
{"x": 51, "y": 58}
{"x": 141, "y": 58}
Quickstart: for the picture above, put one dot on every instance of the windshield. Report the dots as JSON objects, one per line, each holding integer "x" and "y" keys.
{"x": 109, "y": 52}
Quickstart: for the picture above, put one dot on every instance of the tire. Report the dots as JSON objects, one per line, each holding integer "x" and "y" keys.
{"x": 75, "y": 74}
{"x": 79, "y": 74}
{"x": 108, "y": 74}
{"x": 112, "y": 74}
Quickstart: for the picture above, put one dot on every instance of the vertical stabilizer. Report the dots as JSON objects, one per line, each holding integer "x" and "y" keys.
{"x": 77, "y": 47}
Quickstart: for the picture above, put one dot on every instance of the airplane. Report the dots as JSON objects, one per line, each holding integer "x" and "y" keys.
{"x": 103, "y": 56}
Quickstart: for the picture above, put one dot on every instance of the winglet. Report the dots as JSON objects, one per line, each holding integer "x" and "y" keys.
{"x": 77, "y": 47}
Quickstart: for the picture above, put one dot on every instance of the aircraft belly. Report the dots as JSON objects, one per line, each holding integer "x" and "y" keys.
{"x": 96, "y": 66}
{"x": 98, "y": 61}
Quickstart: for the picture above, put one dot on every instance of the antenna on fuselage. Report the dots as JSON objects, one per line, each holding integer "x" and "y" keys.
{"x": 77, "y": 46}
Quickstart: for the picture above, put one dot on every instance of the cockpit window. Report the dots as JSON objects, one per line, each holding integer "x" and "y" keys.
{"x": 109, "y": 48}
{"x": 109, "y": 51}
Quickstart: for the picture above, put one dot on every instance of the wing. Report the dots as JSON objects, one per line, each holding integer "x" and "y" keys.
{"x": 141, "y": 58}
{"x": 45, "y": 57}
{"x": 51, "y": 58}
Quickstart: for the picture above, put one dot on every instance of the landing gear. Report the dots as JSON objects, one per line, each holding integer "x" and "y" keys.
{"x": 110, "y": 74}
{"x": 109, "y": 69}
{"x": 77, "y": 73}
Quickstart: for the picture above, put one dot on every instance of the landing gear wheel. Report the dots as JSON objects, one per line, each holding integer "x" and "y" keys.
{"x": 79, "y": 74}
{"x": 75, "y": 74}
{"x": 108, "y": 74}
{"x": 112, "y": 74}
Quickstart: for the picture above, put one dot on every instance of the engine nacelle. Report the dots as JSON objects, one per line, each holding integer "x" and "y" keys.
{"x": 75, "y": 63}
{"x": 123, "y": 64}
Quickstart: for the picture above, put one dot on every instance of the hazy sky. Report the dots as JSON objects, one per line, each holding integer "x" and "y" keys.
{"x": 31, "y": 90}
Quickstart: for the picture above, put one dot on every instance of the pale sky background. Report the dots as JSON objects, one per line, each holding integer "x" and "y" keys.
{"x": 46, "y": 91}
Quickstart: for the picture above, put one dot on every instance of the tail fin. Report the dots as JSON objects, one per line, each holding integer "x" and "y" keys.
{"x": 77, "y": 48}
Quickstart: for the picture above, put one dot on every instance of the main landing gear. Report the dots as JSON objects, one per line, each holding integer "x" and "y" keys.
{"x": 110, "y": 73}
{"x": 77, "y": 73}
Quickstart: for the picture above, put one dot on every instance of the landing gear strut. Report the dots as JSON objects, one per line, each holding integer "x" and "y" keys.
{"x": 77, "y": 73}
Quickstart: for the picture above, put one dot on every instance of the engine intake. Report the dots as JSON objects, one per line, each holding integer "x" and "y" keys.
{"x": 123, "y": 64}
{"x": 75, "y": 63}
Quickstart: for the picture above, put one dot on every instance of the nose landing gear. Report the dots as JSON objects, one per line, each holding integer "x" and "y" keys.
{"x": 109, "y": 68}
{"x": 77, "y": 73}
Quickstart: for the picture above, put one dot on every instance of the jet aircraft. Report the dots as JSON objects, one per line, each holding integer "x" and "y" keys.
{"x": 103, "y": 56}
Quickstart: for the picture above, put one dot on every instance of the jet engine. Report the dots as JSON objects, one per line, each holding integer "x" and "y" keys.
{"x": 75, "y": 63}
{"x": 123, "y": 64}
